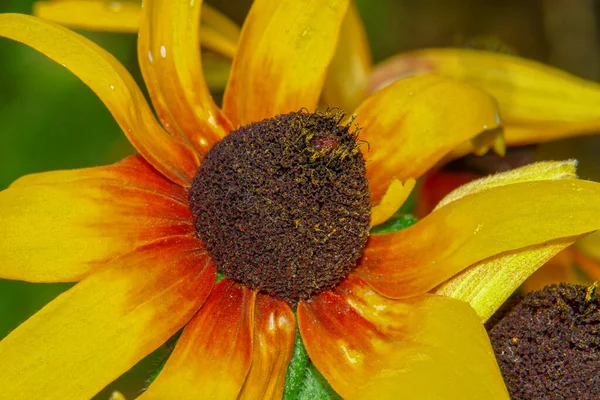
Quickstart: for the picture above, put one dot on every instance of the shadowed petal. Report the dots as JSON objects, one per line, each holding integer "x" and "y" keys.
{"x": 282, "y": 58}
{"x": 415, "y": 122}
{"x": 392, "y": 200}
{"x": 348, "y": 73}
{"x": 274, "y": 332}
{"x": 114, "y": 86}
{"x": 218, "y": 33}
{"x": 214, "y": 354}
{"x": 476, "y": 227}
{"x": 59, "y": 226}
{"x": 94, "y": 332}
{"x": 427, "y": 347}
{"x": 169, "y": 56}
{"x": 538, "y": 102}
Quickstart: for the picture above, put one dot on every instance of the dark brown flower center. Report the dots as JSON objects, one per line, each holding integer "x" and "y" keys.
{"x": 548, "y": 345}
{"x": 283, "y": 204}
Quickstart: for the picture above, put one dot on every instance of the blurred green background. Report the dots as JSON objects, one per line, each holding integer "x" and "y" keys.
{"x": 49, "y": 120}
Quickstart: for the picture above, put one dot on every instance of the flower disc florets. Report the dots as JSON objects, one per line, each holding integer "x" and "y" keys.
{"x": 283, "y": 204}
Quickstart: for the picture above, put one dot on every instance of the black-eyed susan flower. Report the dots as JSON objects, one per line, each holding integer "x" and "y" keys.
{"x": 279, "y": 201}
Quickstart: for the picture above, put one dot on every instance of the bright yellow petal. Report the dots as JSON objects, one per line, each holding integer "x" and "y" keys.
{"x": 487, "y": 284}
{"x": 113, "y": 84}
{"x": 348, "y": 74}
{"x": 410, "y": 125}
{"x": 219, "y": 33}
{"x": 476, "y": 227}
{"x": 170, "y": 61}
{"x": 427, "y": 347}
{"x": 274, "y": 332}
{"x": 391, "y": 201}
{"x": 93, "y": 333}
{"x": 59, "y": 226}
{"x": 538, "y": 103}
{"x": 282, "y": 58}
{"x": 214, "y": 353}
{"x": 541, "y": 171}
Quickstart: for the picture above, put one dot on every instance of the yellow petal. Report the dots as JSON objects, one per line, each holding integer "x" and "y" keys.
{"x": 214, "y": 353}
{"x": 115, "y": 87}
{"x": 410, "y": 125}
{"x": 349, "y": 71}
{"x": 590, "y": 246}
{"x": 96, "y": 331}
{"x": 60, "y": 226}
{"x": 282, "y": 58}
{"x": 541, "y": 171}
{"x": 371, "y": 347}
{"x": 560, "y": 268}
{"x": 538, "y": 103}
{"x": 392, "y": 200}
{"x": 477, "y": 227}
{"x": 487, "y": 284}
{"x": 219, "y": 33}
{"x": 274, "y": 332}
{"x": 170, "y": 61}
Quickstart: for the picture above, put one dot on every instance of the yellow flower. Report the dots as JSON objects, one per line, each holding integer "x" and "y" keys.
{"x": 129, "y": 233}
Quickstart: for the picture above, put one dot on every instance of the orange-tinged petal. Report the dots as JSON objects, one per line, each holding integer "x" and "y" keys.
{"x": 113, "y": 84}
{"x": 274, "y": 332}
{"x": 219, "y": 33}
{"x": 391, "y": 201}
{"x": 59, "y": 226}
{"x": 348, "y": 74}
{"x": 560, "y": 268}
{"x": 487, "y": 284}
{"x": 590, "y": 246}
{"x": 94, "y": 332}
{"x": 538, "y": 102}
{"x": 427, "y": 347}
{"x": 282, "y": 58}
{"x": 476, "y": 227}
{"x": 413, "y": 123}
{"x": 170, "y": 61}
{"x": 214, "y": 353}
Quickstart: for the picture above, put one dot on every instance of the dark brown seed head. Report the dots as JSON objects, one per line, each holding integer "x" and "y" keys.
{"x": 283, "y": 204}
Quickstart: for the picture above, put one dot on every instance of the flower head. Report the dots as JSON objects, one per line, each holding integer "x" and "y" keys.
{"x": 288, "y": 191}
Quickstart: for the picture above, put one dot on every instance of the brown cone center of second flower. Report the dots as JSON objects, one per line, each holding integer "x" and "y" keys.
{"x": 283, "y": 204}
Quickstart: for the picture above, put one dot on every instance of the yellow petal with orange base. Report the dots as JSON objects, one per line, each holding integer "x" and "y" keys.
{"x": 274, "y": 332}
{"x": 413, "y": 123}
{"x": 282, "y": 58}
{"x": 60, "y": 226}
{"x": 114, "y": 86}
{"x": 487, "y": 284}
{"x": 168, "y": 53}
{"x": 348, "y": 74}
{"x": 476, "y": 227}
{"x": 214, "y": 354}
{"x": 99, "y": 329}
{"x": 538, "y": 102}
{"x": 426, "y": 347}
{"x": 219, "y": 33}
{"x": 392, "y": 200}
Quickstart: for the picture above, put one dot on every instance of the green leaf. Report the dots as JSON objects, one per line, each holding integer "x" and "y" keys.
{"x": 397, "y": 222}
{"x": 316, "y": 387}
{"x": 303, "y": 380}
{"x": 297, "y": 369}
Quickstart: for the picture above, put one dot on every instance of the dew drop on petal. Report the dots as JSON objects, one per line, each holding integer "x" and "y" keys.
{"x": 150, "y": 57}
{"x": 163, "y": 51}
